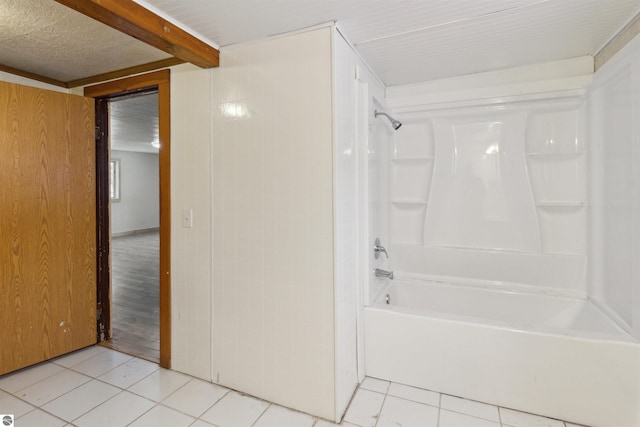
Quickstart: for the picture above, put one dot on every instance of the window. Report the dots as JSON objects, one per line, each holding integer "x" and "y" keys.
{"x": 114, "y": 180}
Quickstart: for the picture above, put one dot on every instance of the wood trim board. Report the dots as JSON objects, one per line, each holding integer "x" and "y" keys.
{"x": 113, "y": 89}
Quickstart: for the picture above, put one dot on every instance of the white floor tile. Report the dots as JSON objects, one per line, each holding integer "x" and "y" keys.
{"x": 129, "y": 373}
{"x": 277, "y": 416}
{"x": 81, "y": 400}
{"x": 101, "y": 363}
{"x": 455, "y": 419}
{"x": 364, "y": 408}
{"x": 118, "y": 411}
{"x": 14, "y": 406}
{"x": 53, "y": 387}
{"x": 195, "y": 397}
{"x": 375, "y": 384}
{"x": 160, "y": 384}
{"x": 416, "y": 394}
{"x": 79, "y": 356}
{"x": 324, "y": 423}
{"x": 161, "y": 416}
{"x": 400, "y": 412}
{"x": 574, "y": 425}
{"x": 470, "y": 407}
{"x": 513, "y": 418}
{"x": 235, "y": 410}
{"x": 200, "y": 423}
{"x": 39, "y": 418}
{"x": 28, "y": 376}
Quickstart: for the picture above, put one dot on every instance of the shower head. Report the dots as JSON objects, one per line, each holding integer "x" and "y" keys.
{"x": 395, "y": 123}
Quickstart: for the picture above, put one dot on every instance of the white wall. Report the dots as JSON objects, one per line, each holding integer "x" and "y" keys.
{"x": 488, "y": 178}
{"x": 615, "y": 214}
{"x": 139, "y": 205}
{"x": 273, "y": 221}
{"x": 191, "y": 139}
{"x": 349, "y": 75}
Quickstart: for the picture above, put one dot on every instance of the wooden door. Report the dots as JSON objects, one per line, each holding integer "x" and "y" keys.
{"x": 47, "y": 225}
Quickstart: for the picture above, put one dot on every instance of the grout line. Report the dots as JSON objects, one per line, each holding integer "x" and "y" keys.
{"x": 439, "y": 409}
{"x": 380, "y": 411}
{"x": 85, "y": 413}
{"x": 262, "y": 413}
{"x": 18, "y": 372}
{"x": 315, "y": 420}
{"x": 143, "y": 414}
{"x": 49, "y": 413}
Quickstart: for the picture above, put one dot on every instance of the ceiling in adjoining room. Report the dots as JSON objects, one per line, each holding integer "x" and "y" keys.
{"x": 133, "y": 124}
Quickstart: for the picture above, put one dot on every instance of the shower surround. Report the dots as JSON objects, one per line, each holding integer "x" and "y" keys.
{"x": 506, "y": 190}
{"x": 493, "y": 223}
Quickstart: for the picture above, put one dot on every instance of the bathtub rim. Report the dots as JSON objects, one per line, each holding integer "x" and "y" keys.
{"x": 440, "y": 370}
{"x": 621, "y": 335}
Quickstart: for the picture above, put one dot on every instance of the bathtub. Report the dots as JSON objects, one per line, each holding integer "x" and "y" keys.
{"x": 556, "y": 356}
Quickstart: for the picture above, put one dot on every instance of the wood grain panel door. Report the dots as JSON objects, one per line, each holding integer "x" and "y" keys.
{"x": 47, "y": 225}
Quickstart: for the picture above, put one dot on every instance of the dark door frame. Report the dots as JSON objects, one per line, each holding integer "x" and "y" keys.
{"x": 159, "y": 82}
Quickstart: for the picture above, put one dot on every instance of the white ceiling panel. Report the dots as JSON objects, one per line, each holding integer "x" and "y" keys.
{"x": 541, "y": 33}
{"x": 390, "y": 18}
{"x": 409, "y": 41}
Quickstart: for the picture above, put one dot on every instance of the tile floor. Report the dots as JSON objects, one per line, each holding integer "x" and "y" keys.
{"x": 98, "y": 387}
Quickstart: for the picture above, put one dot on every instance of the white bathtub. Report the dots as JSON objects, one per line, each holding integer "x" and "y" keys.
{"x": 560, "y": 357}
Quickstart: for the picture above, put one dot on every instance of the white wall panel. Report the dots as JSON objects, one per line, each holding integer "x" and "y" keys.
{"x": 615, "y": 219}
{"x": 350, "y": 74}
{"x": 191, "y": 292}
{"x": 273, "y": 221}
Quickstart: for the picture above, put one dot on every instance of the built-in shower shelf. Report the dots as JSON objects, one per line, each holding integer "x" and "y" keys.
{"x": 565, "y": 155}
{"x": 412, "y": 159}
{"x": 409, "y": 202}
{"x": 562, "y": 205}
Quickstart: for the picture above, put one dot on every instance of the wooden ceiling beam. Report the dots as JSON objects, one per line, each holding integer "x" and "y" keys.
{"x": 125, "y": 72}
{"x": 134, "y": 20}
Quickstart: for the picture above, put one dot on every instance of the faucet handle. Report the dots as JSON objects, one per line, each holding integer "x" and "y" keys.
{"x": 377, "y": 249}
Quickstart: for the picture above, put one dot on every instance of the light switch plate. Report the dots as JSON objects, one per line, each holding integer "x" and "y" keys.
{"x": 187, "y": 218}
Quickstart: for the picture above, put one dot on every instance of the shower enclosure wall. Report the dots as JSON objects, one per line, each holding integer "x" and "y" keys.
{"x": 512, "y": 235}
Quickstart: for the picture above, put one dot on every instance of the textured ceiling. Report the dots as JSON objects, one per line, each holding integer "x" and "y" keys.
{"x": 134, "y": 123}
{"x": 409, "y": 41}
{"x": 51, "y": 40}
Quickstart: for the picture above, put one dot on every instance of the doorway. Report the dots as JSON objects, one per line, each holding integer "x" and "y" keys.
{"x": 134, "y": 223}
{"x": 113, "y": 250}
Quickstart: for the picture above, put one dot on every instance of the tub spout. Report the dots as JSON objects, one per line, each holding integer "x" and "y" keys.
{"x": 384, "y": 273}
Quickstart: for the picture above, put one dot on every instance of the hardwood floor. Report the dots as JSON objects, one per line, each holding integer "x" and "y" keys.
{"x": 135, "y": 287}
